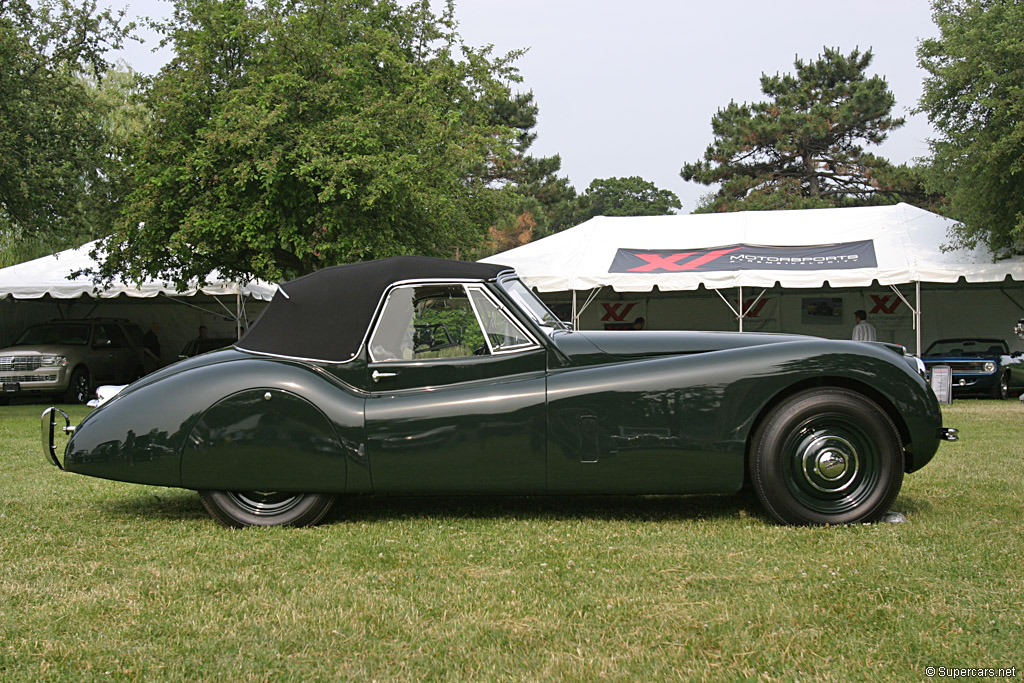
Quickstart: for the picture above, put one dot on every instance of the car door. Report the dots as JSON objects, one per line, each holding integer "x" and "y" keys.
{"x": 124, "y": 362}
{"x": 457, "y": 400}
{"x": 103, "y": 358}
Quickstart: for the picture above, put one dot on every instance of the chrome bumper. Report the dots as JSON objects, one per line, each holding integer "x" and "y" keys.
{"x": 49, "y": 427}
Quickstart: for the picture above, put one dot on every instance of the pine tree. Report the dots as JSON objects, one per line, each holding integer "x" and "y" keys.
{"x": 804, "y": 146}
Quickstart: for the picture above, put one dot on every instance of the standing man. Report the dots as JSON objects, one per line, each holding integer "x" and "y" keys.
{"x": 863, "y": 330}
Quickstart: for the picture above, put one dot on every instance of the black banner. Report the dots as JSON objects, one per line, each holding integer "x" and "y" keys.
{"x": 843, "y": 256}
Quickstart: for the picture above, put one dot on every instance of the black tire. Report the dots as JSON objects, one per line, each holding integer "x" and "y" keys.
{"x": 1001, "y": 391}
{"x": 827, "y": 456}
{"x": 266, "y": 508}
{"x": 79, "y": 389}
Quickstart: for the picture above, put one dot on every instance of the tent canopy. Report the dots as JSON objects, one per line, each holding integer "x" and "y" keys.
{"x": 49, "y": 276}
{"x": 797, "y": 249}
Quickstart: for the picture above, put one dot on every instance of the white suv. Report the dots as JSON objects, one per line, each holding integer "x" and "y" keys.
{"x": 71, "y": 358}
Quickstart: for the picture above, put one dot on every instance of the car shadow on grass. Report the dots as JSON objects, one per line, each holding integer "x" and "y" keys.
{"x": 172, "y": 504}
{"x": 911, "y": 506}
{"x": 182, "y": 505}
{"x": 549, "y": 507}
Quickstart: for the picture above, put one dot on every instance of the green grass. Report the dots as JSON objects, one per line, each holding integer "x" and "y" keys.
{"x": 107, "y": 581}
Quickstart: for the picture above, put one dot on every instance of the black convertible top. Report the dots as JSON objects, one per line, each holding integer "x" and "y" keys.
{"x": 325, "y": 315}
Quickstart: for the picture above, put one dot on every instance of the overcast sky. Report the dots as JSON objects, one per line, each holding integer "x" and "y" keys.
{"x": 628, "y": 87}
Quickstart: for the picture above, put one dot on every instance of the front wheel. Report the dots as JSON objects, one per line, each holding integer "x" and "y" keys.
{"x": 827, "y": 456}
{"x": 1001, "y": 391}
{"x": 266, "y": 508}
{"x": 78, "y": 387}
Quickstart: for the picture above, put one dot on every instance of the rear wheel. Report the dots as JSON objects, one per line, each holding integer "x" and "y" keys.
{"x": 827, "y": 456}
{"x": 266, "y": 508}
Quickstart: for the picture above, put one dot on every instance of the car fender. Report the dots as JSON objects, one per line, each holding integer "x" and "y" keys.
{"x": 704, "y": 406}
{"x": 212, "y": 426}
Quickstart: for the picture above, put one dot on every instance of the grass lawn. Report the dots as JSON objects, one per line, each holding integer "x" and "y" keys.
{"x": 108, "y": 581}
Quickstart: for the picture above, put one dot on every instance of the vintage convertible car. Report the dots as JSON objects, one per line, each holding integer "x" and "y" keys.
{"x": 420, "y": 375}
{"x": 978, "y": 366}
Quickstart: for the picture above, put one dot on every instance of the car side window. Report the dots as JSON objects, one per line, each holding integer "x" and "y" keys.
{"x": 427, "y": 321}
{"x": 502, "y": 333}
{"x": 118, "y": 340}
{"x": 100, "y": 336}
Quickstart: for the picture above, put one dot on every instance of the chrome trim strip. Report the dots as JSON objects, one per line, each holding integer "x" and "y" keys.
{"x": 534, "y": 344}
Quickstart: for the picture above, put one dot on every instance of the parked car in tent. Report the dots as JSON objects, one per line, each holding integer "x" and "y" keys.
{"x": 70, "y": 358}
{"x": 427, "y": 376}
{"x": 978, "y": 365}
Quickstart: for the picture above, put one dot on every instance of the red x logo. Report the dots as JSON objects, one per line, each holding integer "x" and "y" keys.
{"x": 615, "y": 312}
{"x": 673, "y": 262}
{"x": 882, "y": 304}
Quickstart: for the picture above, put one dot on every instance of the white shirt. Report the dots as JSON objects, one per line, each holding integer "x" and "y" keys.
{"x": 864, "y": 331}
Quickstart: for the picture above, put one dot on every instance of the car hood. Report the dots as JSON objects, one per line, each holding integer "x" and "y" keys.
{"x": 35, "y": 350}
{"x": 634, "y": 344}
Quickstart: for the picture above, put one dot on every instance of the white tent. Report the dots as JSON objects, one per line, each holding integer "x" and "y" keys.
{"x": 805, "y": 249}
{"x": 28, "y": 292}
{"x": 48, "y": 276}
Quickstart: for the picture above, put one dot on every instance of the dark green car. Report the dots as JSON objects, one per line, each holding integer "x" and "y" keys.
{"x": 420, "y": 375}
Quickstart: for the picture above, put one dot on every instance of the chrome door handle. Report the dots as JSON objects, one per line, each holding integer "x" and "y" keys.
{"x": 377, "y": 375}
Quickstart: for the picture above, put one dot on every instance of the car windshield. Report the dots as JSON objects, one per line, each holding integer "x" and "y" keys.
{"x": 969, "y": 348}
{"x": 70, "y": 335}
{"x": 531, "y": 303}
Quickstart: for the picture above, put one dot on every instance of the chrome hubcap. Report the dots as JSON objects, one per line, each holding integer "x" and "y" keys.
{"x": 829, "y": 463}
{"x": 264, "y": 502}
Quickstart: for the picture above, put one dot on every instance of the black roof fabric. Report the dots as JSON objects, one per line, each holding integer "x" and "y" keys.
{"x": 324, "y": 315}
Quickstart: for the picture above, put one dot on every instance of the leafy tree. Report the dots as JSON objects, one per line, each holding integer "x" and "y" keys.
{"x": 803, "y": 147}
{"x": 973, "y": 98}
{"x": 632, "y": 196}
{"x": 286, "y": 136}
{"x": 545, "y": 202}
{"x": 563, "y": 209}
{"x": 54, "y": 142}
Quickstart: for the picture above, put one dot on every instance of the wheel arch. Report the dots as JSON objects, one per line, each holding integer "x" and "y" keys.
{"x": 71, "y": 378}
{"x": 837, "y": 382}
{"x": 79, "y": 366}
{"x": 265, "y": 438}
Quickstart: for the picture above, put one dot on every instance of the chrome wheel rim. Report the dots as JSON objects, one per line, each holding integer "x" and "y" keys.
{"x": 264, "y": 503}
{"x": 831, "y": 465}
{"x": 82, "y": 388}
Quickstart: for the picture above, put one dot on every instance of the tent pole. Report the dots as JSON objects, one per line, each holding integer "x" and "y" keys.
{"x": 238, "y": 315}
{"x": 915, "y": 310}
{"x": 742, "y": 312}
{"x": 726, "y": 302}
{"x": 917, "y": 316}
{"x": 573, "y": 318}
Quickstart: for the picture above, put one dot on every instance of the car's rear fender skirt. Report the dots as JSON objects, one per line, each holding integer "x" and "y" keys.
{"x": 212, "y": 426}
{"x": 264, "y": 439}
